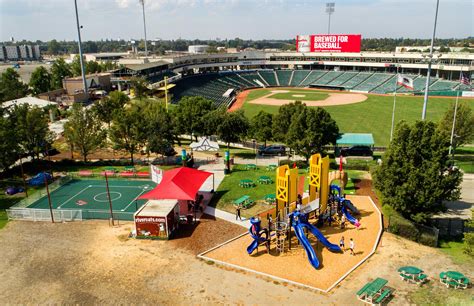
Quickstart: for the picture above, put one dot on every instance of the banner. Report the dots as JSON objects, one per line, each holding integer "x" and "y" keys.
{"x": 328, "y": 43}
{"x": 156, "y": 174}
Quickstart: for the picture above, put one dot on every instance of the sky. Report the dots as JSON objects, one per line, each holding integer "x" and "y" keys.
{"x": 246, "y": 19}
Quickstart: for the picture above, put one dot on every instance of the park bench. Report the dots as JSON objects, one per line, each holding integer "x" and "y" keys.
{"x": 375, "y": 292}
{"x": 264, "y": 180}
{"x": 271, "y": 167}
{"x": 383, "y": 296}
{"x": 246, "y": 183}
{"x": 250, "y": 166}
{"x": 244, "y": 201}
{"x": 270, "y": 198}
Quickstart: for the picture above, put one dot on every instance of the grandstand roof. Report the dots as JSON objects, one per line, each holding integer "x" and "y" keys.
{"x": 356, "y": 139}
{"x": 32, "y": 101}
{"x": 138, "y": 67}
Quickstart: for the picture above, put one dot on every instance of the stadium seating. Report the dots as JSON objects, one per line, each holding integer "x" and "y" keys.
{"x": 299, "y": 76}
{"x": 346, "y": 76}
{"x": 356, "y": 80}
{"x": 312, "y": 77}
{"x": 213, "y": 85}
{"x": 372, "y": 82}
{"x": 328, "y": 77}
{"x": 284, "y": 77}
{"x": 269, "y": 76}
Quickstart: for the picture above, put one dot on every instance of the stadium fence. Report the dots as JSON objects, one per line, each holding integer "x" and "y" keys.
{"x": 34, "y": 214}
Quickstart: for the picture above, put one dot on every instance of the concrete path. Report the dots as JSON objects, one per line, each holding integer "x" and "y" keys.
{"x": 218, "y": 170}
{"x": 461, "y": 208}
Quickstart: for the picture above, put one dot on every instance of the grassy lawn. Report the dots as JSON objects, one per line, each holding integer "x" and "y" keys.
{"x": 454, "y": 248}
{"x": 432, "y": 295}
{"x": 373, "y": 115}
{"x": 229, "y": 190}
{"x": 255, "y": 94}
{"x": 308, "y": 96}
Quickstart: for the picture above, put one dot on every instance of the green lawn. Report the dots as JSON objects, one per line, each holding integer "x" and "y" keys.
{"x": 308, "y": 96}
{"x": 373, "y": 115}
{"x": 454, "y": 248}
{"x": 431, "y": 294}
{"x": 229, "y": 190}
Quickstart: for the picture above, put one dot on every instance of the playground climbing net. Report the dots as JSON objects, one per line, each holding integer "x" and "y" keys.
{"x": 280, "y": 229}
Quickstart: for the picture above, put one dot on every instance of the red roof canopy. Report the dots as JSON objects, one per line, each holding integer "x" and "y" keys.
{"x": 180, "y": 183}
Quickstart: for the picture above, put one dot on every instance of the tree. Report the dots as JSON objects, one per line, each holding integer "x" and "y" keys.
{"x": 75, "y": 66}
{"x": 160, "y": 129}
{"x": 84, "y": 130}
{"x": 310, "y": 131}
{"x": 106, "y": 107}
{"x": 190, "y": 113}
{"x": 282, "y": 120}
{"x": 139, "y": 86}
{"x": 464, "y": 127}
{"x": 415, "y": 178}
{"x": 233, "y": 127}
{"x": 11, "y": 87}
{"x": 54, "y": 47}
{"x": 9, "y": 145}
{"x": 128, "y": 130}
{"x": 261, "y": 127}
{"x": 40, "y": 80}
{"x": 32, "y": 130}
{"x": 59, "y": 70}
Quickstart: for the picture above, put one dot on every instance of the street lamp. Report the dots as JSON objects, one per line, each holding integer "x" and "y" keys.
{"x": 79, "y": 27}
{"x": 330, "y": 8}
{"x": 430, "y": 57}
{"x": 142, "y": 2}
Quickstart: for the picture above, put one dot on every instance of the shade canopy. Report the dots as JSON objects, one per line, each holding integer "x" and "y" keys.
{"x": 355, "y": 139}
{"x": 180, "y": 184}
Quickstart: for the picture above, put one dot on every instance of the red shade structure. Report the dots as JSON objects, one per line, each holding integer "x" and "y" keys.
{"x": 180, "y": 184}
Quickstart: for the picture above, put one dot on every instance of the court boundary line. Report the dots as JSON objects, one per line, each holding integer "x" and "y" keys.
{"x": 81, "y": 191}
{"x": 143, "y": 190}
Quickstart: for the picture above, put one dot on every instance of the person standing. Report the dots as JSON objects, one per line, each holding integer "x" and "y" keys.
{"x": 237, "y": 213}
{"x": 352, "y": 246}
{"x": 343, "y": 221}
{"x": 341, "y": 243}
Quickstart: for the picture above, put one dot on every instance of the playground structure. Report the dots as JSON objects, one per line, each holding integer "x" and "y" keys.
{"x": 323, "y": 202}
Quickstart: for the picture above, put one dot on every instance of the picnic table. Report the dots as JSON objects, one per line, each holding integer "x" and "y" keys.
{"x": 270, "y": 198}
{"x": 374, "y": 293}
{"x": 454, "y": 279}
{"x": 246, "y": 183}
{"x": 110, "y": 169}
{"x": 271, "y": 167}
{"x": 143, "y": 174}
{"x": 413, "y": 274}
{"x": 250, "y": 166}
{"x": 264, "y": 180}
{"x": 245, "y": 201}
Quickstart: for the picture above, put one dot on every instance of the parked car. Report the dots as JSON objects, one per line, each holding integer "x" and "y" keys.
{"x": 272, "y": 150}
{"x": 357, "y": 151}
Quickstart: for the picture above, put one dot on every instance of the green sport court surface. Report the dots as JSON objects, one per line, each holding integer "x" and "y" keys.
{"x": 90, "y": 196}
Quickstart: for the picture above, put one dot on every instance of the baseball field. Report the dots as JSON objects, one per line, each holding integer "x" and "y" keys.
{"x": 353, "y": 112}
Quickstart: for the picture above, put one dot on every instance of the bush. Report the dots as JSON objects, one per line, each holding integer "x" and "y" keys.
{"x": 415, "y": 232}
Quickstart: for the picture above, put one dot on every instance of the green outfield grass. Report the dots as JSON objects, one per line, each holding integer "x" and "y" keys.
{"x": 308, "y": 96}
{"x": 371, "y": 116}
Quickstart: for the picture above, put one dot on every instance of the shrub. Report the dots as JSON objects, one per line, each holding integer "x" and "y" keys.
{"x": 299, "y": 163}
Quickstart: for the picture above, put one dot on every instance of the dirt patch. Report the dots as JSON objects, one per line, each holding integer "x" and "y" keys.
{"x": 333, "y": 99}
{"x": 91, "y": 263}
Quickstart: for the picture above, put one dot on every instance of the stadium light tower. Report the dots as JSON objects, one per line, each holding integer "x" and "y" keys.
{"x": 330, "y": 9}
{"x": 430, "y": 60}
{"x": 79, "y": 27}
{"x": 142, "y": 2}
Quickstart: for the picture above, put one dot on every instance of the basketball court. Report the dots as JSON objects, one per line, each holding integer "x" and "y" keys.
{"x": 90, "y": 196}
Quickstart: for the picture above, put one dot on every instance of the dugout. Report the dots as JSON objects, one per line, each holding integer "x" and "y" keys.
{"x": 354, "y": 139}
{"x": 157, "y": 219}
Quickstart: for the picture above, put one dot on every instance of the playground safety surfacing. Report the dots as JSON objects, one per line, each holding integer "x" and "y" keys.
{"x": 90, "y": 196}
{"x": 293, "y": 266}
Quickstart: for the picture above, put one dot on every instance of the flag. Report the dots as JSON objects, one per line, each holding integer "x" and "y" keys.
{"x": 405, "y": 81}
{"x": 464, "y": 79}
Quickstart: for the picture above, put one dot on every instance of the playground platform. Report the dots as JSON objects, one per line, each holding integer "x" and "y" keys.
{"x": 293, "y": 266}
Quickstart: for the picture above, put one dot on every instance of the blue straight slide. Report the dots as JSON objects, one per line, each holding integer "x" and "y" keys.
{"x": 349, "y": 217}
{"x": 313, "y": 259}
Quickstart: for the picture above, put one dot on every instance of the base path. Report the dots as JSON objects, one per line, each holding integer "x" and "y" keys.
{"x": 333, "y": 99}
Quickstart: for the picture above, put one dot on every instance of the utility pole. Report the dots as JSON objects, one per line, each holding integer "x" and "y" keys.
{"x": 79, "y": 27}
{"x": 142, "y": 2}
{"x": 430, "y": 59}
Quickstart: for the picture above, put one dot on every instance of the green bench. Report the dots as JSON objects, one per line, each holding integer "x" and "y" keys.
{"x": 386, "y": 293}
{"x": 264, "y": 180}
{"x": 270, "y": 198}
{"x": 250, "y": 166}
{"x": 244, "y": 201}
{"x": 246, "y": 183}
{"x": 271, "y": 167}
{"x": 363, "y": 290}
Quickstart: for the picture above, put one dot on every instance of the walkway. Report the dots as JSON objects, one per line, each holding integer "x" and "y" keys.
{"x": 218, "y": 170}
